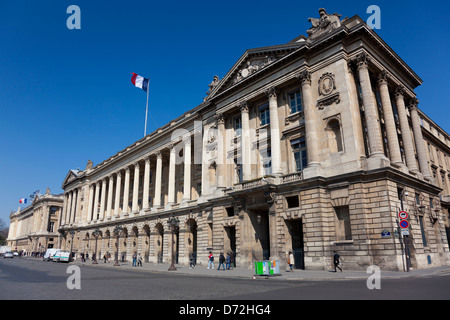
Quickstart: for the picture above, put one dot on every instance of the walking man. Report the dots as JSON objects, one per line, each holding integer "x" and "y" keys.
{"x": 336, "y": 261}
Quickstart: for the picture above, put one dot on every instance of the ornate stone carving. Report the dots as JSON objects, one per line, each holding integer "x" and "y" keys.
{"x": 213, "y": 84}
{"x": 271, "y": 92}
{"x": 324, "y": 25}
{"x": 399, "y": 91}
{"x": 327, "y": 84}
{"x": 382, "y": 77}
{"x": 304, "y": 77}
{"x": 413, "y": 103}
{"x": 253, "y": 66}
{"x": 243, "y": 106}
{"x": 362, "y": 60}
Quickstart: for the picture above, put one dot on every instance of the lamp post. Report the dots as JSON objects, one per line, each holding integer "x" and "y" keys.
{"x": 405, "y": 237}
{"x": 117, "y": 231}
{"x": 96, "y": 233}
{"x": 72, "y": 234}
{"x": 173, "y": 223}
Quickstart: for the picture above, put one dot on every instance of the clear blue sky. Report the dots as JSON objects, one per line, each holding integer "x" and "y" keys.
{"x": 66, "y": 95}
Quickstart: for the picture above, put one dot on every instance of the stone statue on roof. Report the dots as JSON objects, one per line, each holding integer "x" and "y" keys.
{"x": 323, "y": 25}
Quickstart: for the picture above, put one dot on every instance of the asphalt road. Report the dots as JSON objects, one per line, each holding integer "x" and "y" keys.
{"x": 29, "y": 279}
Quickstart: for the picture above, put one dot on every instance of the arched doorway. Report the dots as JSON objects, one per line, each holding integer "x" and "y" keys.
{"x": 191, "y": 239}
{"x": 159, "y": 242}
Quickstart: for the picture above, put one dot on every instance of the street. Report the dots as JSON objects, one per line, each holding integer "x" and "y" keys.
{"x": 33, "y": 279}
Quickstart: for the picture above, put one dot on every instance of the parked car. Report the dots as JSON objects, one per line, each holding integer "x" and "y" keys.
{"x": 55, "y": 257}
{"x": 8, "y": 254}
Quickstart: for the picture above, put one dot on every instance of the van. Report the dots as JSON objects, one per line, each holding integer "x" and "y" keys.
{"x": 64, "y": 256}
{"x": 55, "y": 257}
{"x": 49, "y": 254}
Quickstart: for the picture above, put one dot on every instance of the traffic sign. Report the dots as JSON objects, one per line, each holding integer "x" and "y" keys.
{"x": 404, "y": 224}
{"x": 403, "y": 215}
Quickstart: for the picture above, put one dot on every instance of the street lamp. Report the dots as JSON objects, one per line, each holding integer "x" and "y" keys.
{"x": 173, "y": 223}
{"x": 72, "y": 234}
{"x": 96, "y": 233}
{"x": 117, "y": 231}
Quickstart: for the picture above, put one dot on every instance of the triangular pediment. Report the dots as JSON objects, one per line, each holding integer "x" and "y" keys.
{"x": 71, "y": 175}
{"x": 251, "y": 63}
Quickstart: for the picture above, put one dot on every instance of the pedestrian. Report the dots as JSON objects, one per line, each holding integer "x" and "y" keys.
{"x": 291, "y": 261}
{"x": 134, "y": 259}
{"x": 139, "y": 260}
{"x": 104, "y": 258}
{"x": 221, "y": 261}
{"x": 336, "y": 261}
{"x": 228, "y": 261}
{"x": 210, "y": 261}
{"x": 191, "y": 261}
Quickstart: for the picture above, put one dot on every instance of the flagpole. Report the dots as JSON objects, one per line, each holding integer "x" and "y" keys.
{"x": 146, "y": 109}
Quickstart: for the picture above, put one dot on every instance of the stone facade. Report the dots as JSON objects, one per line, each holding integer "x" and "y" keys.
{"x": 35, "y": 228}
{"x": 310, "y": 146}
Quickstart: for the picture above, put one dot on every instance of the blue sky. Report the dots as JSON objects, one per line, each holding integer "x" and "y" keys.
{"x": 66, "y": 95}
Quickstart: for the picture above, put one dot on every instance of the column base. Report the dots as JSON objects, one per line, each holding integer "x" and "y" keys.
{"x": 377, "y": 160}
{"x": 314, "y": 169}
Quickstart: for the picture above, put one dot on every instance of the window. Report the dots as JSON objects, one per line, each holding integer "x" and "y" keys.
{"x": 264, "y": 114}
{"x": 292, "y": 202}
{"x": 299, "y": 150}
{"x": 266, "y": 161}
{"x": 230, "y": 211}
{"x": 295, "y": 102}
{"x": 237, "y": 125}
{"x": 422, "y": 230}
{"x": 343, "y": 228}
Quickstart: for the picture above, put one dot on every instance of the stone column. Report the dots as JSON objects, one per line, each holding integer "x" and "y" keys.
{"x": 103, "y": 200}
{"x": 221, "y": 151}
{"x": 69, "y": 208}
{"x": 96, "y": 200}
{"x": 117, "y": 198}
{"x": 406, "y": 133}
{"x": 370, "y": 109}
{"x": 110, "y": 193}
{"x": 274, "y": 131}
{"x": 66, "y": 204}
{"x": 145, "y": 204}
{"x": 171, "y": 191}
{"x": 245, "y": 142}
{"x": 312, "y": 144}
{"x": 134, "y": 207}
{"x": 187, "y": 169}
{"x": 391, "y": 130}
{"x": 158, "y": 179}
{"x": 126, "y": 192}
{"x": 420, "y": 145}
{"x": 90, "y": 203}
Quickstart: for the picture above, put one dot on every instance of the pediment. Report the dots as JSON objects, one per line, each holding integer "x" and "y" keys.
{"x": 251, "y": 63}
{"x": 71, "y": 175}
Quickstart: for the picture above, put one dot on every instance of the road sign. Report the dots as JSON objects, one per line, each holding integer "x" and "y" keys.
{"x": 405, "y": 232}
{"x": 403, "y": 215}
{"x": 404, "y": 224}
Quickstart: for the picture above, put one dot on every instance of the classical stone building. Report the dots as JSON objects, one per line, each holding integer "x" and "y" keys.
{"x": 310, "y": 146}
{"x": 35, "y": 228}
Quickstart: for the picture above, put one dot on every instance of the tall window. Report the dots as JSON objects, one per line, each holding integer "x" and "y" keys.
{"x": 237, "y": 125}
{"x": 299, "y": 150}
{"x": 266, "y": 161}
{"x": 264, "y": 114}
{"x": 295, "y": 102}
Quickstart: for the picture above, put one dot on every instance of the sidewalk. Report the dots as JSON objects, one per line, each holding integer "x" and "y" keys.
{"x": 305, "y": 275}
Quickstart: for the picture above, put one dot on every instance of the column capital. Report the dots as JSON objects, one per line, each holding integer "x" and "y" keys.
{"x": 304, "y": 77}
{"x": 382, "y": 77}
{"x": 413, "y": 103}
{"x": 399, "y": 91}
{"x": 219, "y": 118}
{"x": 362, "y": 60}
{"x": 271, "y": 93}
{"x": 147, "y": 159}
{"x": 243, "y": 106}
{"x": 119, "y": 173}
{"x": 127, "y": 170}
{"x": 159, "y": 155}
{"x": 136, "y": 165}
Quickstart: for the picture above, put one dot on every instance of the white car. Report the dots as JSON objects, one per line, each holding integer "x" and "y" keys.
{"x": 8, "y": 254}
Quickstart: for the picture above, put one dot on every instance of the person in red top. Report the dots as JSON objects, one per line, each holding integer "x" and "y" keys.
{"x": 210, "y": 261}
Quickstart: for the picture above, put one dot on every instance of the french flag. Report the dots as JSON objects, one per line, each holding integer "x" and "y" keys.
{"x": 140, "y": 82}
{"x": 23, "y": 200}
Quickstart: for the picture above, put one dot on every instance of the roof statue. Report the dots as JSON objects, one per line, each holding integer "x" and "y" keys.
{"x": 324, "y": 25}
